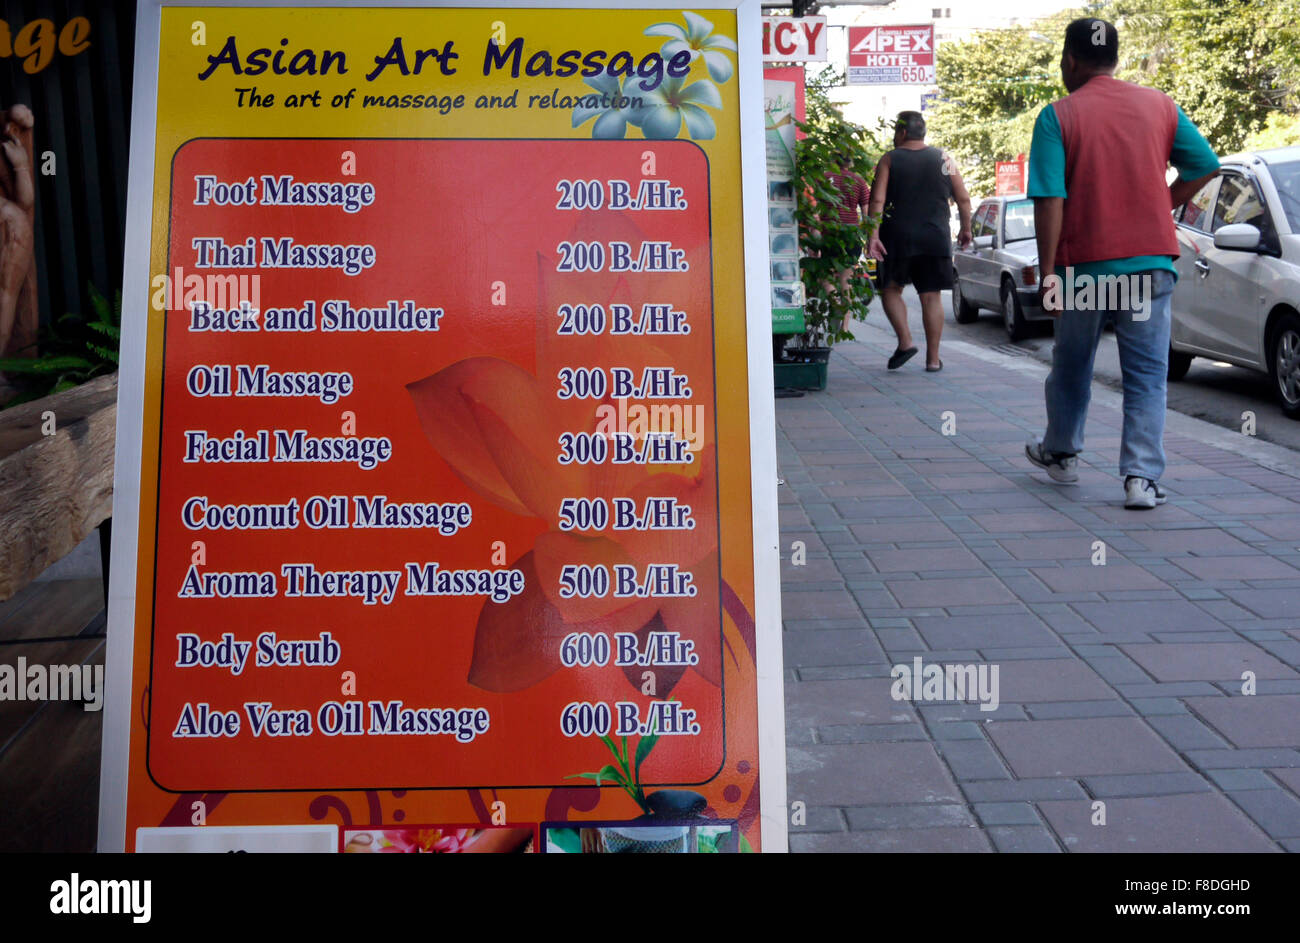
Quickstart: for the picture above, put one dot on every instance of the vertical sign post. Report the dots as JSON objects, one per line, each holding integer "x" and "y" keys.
{"x": 782, "y": 107}
{"x": 446, "y": 512}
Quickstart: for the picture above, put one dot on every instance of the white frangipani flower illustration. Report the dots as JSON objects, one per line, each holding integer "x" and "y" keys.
{"x": 697, "y": 39}
{"x": 673, "y": 102}
{"x": 612, "y": 121}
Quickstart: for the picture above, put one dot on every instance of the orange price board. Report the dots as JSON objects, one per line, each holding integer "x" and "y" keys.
{"x": 445, "y": 486}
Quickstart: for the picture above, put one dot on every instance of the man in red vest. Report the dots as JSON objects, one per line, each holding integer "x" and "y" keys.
{"x": 1106, "y": 245}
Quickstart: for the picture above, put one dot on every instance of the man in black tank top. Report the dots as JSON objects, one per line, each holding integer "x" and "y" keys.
{"x": 912, "y": 186}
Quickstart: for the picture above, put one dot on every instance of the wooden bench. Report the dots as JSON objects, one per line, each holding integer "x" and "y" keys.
{"x": 55, "y": 489}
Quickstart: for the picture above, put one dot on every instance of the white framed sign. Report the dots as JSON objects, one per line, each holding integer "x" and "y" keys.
{"x": 445, "y": 509}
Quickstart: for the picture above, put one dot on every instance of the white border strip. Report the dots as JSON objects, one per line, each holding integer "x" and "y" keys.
{"x": 115, "y": 757}
{"x": 762, "y": 435}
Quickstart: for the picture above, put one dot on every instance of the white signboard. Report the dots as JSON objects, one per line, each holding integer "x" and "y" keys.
{"x": 794, "y": 39}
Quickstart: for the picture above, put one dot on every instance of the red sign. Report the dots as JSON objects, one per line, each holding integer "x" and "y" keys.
{"x": 794, "y": 39}
{"x": 308, "y": 574}
{"x": 1010, "y": 177}
{"x": 891, "y": 55}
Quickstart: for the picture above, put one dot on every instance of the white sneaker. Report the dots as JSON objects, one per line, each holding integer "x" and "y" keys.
{"x": 1142, "y": 493}
{"x": 1061, "y": 466}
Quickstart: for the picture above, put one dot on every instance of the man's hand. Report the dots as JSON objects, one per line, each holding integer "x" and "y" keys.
{"x": 1049, "y": 295}
{"x": 963, "y": 238}
{"x": 876, "y": 248}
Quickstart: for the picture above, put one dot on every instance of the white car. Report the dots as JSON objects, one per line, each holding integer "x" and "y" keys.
{"x": 1238, "y": 293}
{"x": 999, "y": 269}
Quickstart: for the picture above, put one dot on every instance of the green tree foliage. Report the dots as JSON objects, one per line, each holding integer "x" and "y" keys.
{"x": 1233, "y": 66}
{"x": 991, "y": 88}
{"x": 1280, "y": 131}
{"x": 1230, "y": 64}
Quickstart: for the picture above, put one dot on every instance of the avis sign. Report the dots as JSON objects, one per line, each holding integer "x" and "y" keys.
{"x": 794, "y": 39}
{"x": 891, "y": 55}
{"x": 1010, "y": 177}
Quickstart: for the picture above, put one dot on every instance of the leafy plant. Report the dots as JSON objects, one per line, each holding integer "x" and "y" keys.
{"x": 991, "y": 88}
{"x": 831, "y": 145}
{"x": 627, "y": 774}
{"x": 73, "y": 350}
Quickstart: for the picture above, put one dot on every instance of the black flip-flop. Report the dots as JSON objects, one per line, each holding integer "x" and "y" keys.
{"x": 901, "y": 357}
{"x": 930, "y": 369}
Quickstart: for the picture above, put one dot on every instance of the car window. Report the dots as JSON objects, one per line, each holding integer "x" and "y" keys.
{"x": 977, "y": 225}
{"x": 991, "y": 221}
{"x": 1196, "y": 211}
{"x": 1286, "y": 177}
{"x": 1239, "y": 202}
{"x": 1019, "y": 220}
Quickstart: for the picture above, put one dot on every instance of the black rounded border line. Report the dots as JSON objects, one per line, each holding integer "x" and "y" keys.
{"x": 162, "y": 389}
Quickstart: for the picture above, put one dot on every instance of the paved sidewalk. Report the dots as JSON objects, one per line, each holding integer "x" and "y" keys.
{"x": 1119, "y": 684}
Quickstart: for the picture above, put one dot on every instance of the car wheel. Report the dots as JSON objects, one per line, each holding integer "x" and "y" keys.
{"x": 1284, "y": 364}
{"x": 962, "y": 311}
{"x": 1179, "y": 364}
{"x": 1013, "y": 317}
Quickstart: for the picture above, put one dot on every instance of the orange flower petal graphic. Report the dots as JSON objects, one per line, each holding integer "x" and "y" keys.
{"x": 517, "y": 643}
{"x": 447, "y": 418}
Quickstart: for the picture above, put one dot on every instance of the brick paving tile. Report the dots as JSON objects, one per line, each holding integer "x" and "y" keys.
{"x": 1207, "y": 661}
{"x": 817, "y": 703}
{"x": 1202, "y": 822}
{"x": 1237, "y": 567}
{"x": 1259, "y": 721}
{"x": 1032, "y": 840}
{"x": 1174, "y": 616}
{"x": 885, "y": 773}
{"x": 1274, "y": 810}
{"x": 1083, "y": 747}
{"x": 949, "y": 592}
{"x": 1269, "y": 603}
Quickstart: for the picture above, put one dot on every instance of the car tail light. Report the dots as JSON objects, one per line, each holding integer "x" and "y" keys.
{"x": 1029, "y": 275}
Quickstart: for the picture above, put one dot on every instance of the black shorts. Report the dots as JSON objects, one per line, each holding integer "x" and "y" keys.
{"x": 923, "y": 272}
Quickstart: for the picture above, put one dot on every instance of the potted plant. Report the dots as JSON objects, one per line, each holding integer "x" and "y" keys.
{"x": 837, "y": 284}
{"x": 73, "y": 350}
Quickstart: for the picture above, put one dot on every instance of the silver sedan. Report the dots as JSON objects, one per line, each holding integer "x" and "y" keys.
{"x": 999, "y": 270}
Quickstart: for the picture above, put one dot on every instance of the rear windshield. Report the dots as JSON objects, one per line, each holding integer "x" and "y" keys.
{"x": 1286, "y": 177}
{"x": 1020, "y": 220}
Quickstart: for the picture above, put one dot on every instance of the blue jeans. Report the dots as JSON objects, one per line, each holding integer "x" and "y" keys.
{"x": 1144, "y": 363}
